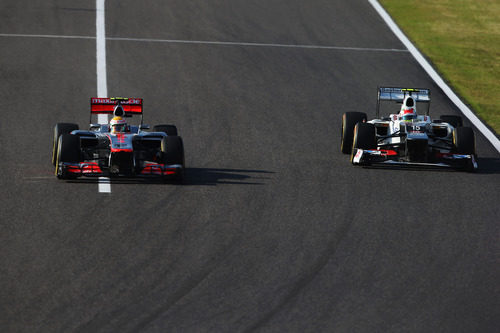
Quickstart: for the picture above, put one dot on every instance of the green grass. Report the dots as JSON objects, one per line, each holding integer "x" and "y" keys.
{"x": 462, "y": 39}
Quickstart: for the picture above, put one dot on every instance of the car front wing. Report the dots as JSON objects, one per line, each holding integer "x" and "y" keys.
{"x": 92, "y": 169}
{"x": 391, "y": 157}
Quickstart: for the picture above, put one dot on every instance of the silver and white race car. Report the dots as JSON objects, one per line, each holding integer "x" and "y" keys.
{"x": 117, "y": 149}
{"x": 406, "y": 138}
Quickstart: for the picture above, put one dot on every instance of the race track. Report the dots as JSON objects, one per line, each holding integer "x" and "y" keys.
{"x": 274, "y": 230}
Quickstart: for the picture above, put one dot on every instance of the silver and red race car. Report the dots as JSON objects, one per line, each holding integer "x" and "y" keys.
{"x": 406, "y": 138}
{"x": 123, "y": 150}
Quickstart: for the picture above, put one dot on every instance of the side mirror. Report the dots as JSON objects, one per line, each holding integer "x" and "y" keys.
{"x": 95, "y": 126}
{"x": 144, "y": 127}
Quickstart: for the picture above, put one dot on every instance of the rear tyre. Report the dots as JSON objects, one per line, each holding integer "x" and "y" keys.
{"x": 349, "y": 120}
{"x": 59, "y": 129}
{"x": 167, "y": 129}
{"x": 455, "y": 121}
{"x": 464, "y": 141}
{"x": 364, "y": 138}
{"x": 172, "y": 149}
{"x": 68, "y": 150}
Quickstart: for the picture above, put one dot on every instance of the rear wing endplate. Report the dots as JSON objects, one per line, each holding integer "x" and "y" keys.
{"x": 421, "y": 95}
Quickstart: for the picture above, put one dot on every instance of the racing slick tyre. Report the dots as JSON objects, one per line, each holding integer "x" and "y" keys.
{"x": 167, "y": 129}
{"x": 464, "y": 141}
{"x": 364, "y": 138}
{"x": 349, "y": 120}
{"x": 172, "y": 150}
{"x": 68, "y": 150}
{"x": 455, "y": 121}
{"x": 59, "y": 129}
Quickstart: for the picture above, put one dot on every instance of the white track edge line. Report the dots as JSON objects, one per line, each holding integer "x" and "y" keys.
{"x": 102, "y": 85}
{"x": 436, "y": 77}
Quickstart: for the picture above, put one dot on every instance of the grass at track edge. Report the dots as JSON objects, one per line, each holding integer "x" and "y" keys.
{"x": 462, "y": 40}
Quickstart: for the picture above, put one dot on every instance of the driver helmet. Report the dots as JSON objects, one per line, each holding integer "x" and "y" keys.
{"x": 408, "y": 109}
{"x": 118, "y": 125}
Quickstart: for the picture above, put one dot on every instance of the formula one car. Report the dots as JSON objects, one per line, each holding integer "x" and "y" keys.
{"x": 406, "y": 138}
{"x": 117, "y": 149}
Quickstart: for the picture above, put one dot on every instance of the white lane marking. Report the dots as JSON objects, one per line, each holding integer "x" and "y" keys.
{"x": 102, "y": 84}
{"x": 217, "y": 43}
{"x": 298, "y": 46}
{"x": 435, "y": 76}
{"x": 47, "y": 36}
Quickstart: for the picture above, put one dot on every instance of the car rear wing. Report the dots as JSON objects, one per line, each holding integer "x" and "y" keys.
{"x": 421, "y": 95}
{"x": 131, "y": 106}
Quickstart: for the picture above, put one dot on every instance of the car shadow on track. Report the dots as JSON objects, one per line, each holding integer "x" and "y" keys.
{"x": 213, "y": 176}
{"x": 488, "y": 165}
{"x": 196, "y": 176}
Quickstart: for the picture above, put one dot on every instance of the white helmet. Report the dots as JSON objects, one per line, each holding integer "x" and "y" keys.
{"x": 118, "y": 125}
{"x": 408, "y": 109}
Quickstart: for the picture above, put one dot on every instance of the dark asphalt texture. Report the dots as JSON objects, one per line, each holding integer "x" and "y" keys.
{"x": 274, "y": 230}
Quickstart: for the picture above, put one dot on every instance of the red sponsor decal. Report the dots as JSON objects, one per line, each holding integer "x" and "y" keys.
{"x": 118, "y": 150}
{"x": 100, "y": 100}
{"x": 106, "y": 105}
{"x": 85, "y": 168}
{"x": 158, "y": 169}
{"x": 171, "y": 171}
{"x": 388, "y": 152}
{"x": 91, "y": 168}
{"x": 110, "y": 108}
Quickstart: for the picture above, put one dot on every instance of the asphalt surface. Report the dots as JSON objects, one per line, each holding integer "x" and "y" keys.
{"x": 274, "y": 230}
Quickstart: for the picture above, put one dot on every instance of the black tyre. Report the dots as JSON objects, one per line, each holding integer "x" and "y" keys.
{"x": 68, "y": 150}
{"x": 455, "y": 121}
{"x": 59, "y": 129}
{"x": 172, "y": 150}
{"x": 349, "y": 120}
{"x": 464, "y": 141}
{"x": 167, "y": 129}
{"x": 364, "y": 137}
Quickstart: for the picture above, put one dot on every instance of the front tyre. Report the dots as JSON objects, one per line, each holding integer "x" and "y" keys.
{"x": 172, "y": 149}
{"x": 60, "y": 129}
{"x": 364, "y": 138}
{"x": 464, "y": 141}
{"x": 68, "y": 150}
{"x": 349, "y": 120}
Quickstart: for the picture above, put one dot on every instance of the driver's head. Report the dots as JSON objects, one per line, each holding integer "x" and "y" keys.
{"x": 118, "y": 125}
{"x": 408, "y": 109}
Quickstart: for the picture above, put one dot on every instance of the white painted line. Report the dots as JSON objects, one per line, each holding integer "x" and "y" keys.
{"x": 200, "y": 42}
{"x": 47, "y": 36}
{"x": 435, "y": 76}
{"x": 217, "y": 43}
{"x": 102, "y": 84}
{"x": 104, "y": 185}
